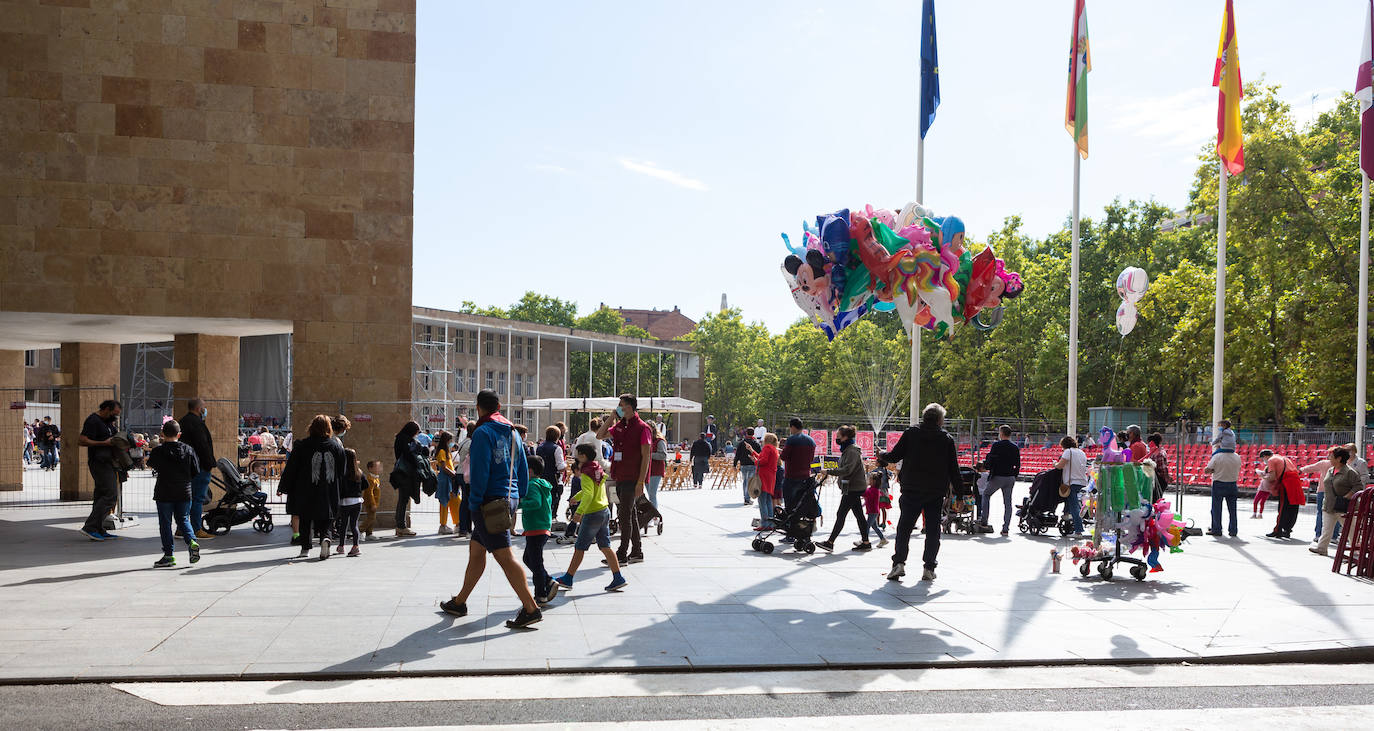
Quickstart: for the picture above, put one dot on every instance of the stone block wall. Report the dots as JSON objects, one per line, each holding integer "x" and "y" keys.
{"x": 218, "y": 158}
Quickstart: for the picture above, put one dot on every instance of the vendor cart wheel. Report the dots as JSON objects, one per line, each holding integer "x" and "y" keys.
{"x": 1085, "y": 568}
{"x": 660, "y": 527}
{"x": 1138, "y": 572}
{"x": 767, "y": 547}
{"x": 1021, "y": 526}
{"x": 810, "y": 548}
{"x": 1105, "y": 571}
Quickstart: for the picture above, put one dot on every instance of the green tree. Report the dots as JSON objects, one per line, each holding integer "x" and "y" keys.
{"x": 535, "y": 307}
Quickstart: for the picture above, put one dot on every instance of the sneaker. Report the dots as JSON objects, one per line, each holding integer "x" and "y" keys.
{"x": 524, "y": 619}
{"x": 369, "y": 538}
{"x": 862, "y": 546}
{"x": 882, "y": 542}
{"x": 195, "y": 552}
{"x": 552, "y": 593}
{"x": 1005, "y": 532}
{"x": 165, "y": 562}
{"x": 623, "y": 559}
{"x": 93, "y": 535}
{"x": 445, "y": 530}
{"x": 563, "y": 581}
{"x": 324, "y": 548}
{"x": 634, "y": 558}
{"x": 826, "y": 546}
{"x": 928, "y": 575}
{"x": 454, "y": 608}
{"x": 1156, "y": 569}
{"x": 565, "y": 540}
{"x": 617, "y": 584}
{"x": 897, "y": 572}
{"x": 1315, "y": 550}
{"x": 108, "y": 536}
{"x": 202, "y": 533}
{"x": 1214, "y": 533}
{"x": 354, "y": 553}
{"x": 305, "y": 551}
{"x": 1274, "y": 534}
{"x": 755, "y": 522}
{"x": 340, "y": 549}
{"x": 788, "y": 539}
{"x": 405, "y": 533}
{"x": 464, "y": 534}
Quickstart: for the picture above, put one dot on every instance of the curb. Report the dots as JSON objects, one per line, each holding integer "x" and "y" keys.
{"x": 1333, "y": 656}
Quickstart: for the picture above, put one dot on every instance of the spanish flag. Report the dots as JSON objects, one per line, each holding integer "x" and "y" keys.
{"x": 1226, "y": 77}
{"x": 1080, "y": 63}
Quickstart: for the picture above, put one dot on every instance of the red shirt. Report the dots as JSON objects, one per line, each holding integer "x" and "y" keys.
{"x": 657, "y": 467}
{"x": 628, "y": 437}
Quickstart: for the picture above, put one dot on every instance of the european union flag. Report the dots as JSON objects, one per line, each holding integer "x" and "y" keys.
{"x": 930, "y": 68}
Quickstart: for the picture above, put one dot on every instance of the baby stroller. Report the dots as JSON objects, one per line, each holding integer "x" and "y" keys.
{"x": 644, "y": 511}
{"x": 960, "y": 512}
{"x": 243, "y": 501}
{"x": 1037, "y": 513}
{"x": 798, "y": 523}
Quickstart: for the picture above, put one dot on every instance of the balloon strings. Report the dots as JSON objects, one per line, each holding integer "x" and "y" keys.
{"x": 1116, "y": 369}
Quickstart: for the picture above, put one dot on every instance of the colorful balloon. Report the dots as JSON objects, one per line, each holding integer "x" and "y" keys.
{"x": 1125, "y": 318}
{"x": 1131, "y": 284}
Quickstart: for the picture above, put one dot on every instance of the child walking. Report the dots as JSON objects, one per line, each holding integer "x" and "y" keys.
{"x": 350, "y": 503}
{"x": 536, "y": 517}
{"x": 176, "y": 464}
{"x": 873, "y": 499}
{"x": 372, "y": 497}
{"x": 594, "y": 517}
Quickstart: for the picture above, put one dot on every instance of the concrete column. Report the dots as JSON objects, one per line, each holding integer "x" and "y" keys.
{"x": 11, "y": 420}
{"x": 211, "y": 363}
{"x": 94, "y": 372}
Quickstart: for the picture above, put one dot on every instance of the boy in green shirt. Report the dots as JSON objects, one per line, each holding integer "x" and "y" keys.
{"x": 536, "y": 516}
{"x": 593, "y": 517}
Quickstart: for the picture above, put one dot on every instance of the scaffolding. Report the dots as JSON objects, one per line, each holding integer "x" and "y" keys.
{"x": 150, "y": 394}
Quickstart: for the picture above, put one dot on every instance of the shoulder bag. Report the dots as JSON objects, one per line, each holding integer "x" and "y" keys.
{"x": 496, "y": 512}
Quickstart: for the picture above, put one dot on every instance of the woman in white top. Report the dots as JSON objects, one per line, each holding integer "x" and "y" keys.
{"x": 1074, "y": 463}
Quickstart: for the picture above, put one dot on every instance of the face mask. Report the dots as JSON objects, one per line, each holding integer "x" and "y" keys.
{"x": 204, "y": 413}
{"x": 620, "y": 412}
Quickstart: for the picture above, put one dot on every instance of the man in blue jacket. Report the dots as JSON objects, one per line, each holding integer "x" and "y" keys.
{"x": 498, "y": 473}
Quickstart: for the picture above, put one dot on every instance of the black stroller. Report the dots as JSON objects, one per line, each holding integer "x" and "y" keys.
{"x": 1038, "y": 513}
{"x": 960, "y": 512}
{"x": 798, "y": 523}
{"x": 243, "y": 501}
{"x": 645, "y": 512}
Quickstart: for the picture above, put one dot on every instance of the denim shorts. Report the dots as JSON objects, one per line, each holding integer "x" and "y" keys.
{"x": 491, "y": 541}
{"x": 594, "y": 526}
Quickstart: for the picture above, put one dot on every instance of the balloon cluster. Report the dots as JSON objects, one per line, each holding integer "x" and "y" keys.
{"x": 908, "y": 261}
{"x": 1151, "y": 529}
{"x": 1131, "y": 284}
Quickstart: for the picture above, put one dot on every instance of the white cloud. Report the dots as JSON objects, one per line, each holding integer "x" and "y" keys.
{"x": 668, "y": 176}
{"x": 547, "y": 168}
{"x": 1183, "y": 119}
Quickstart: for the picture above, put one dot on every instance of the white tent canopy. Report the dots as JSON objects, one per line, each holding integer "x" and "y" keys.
{"x": 656, "y": 404}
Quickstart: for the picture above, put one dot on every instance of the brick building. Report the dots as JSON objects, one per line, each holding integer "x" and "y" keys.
{"x": 662, "y": 324}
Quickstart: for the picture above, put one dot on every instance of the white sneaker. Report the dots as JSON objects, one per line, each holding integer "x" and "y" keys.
{"x": 897, "y": 572}
{"x": 324, "y": 548}
{"x": 928, "y": 575}
{"x": 882, "y": 542}
{"x": 445, "y": 530}
{"x": 369, "y": 538}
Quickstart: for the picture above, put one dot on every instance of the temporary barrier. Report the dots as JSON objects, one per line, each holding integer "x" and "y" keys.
{"x": 1356, "y": 550}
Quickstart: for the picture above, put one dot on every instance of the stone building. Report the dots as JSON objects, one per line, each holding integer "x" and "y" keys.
{"x": 662, "y": 324}
{"x": 202, "y": 171}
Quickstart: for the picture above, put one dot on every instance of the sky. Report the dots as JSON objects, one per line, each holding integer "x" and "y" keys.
{"x": 648, "y": 154}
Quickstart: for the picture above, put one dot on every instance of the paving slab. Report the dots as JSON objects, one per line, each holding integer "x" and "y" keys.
{"x": 702, "y": 599}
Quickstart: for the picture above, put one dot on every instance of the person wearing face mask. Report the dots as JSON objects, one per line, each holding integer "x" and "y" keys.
{"x": 196, "y": 435}
{"x": 631, "y": 440}
{"x": 853, "y": 481}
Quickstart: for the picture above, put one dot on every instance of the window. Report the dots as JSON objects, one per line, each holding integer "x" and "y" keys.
{"x": 30, "y": 358}
{"x": 517, "y": 342}
{"x": 424, "y": 380}
{"x": 472, "y": 342}
{"x": 529, "y": 348}
{"x": 519, "y": 416}
{"x": 516, "y": 386}
{"x": 501, "y": 383}
{"x": 504, "y": 340}
{"x": 472, "y": 377}
{"x": 56, "y": 396}
{"x": 490, "y": 344}
{"x": 428, "y": 336}
{"x": 57, "y": 359}
{"x": 458, "y": 382}
{"x": 490, "y": 380}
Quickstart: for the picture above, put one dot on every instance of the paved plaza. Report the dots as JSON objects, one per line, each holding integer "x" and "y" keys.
{"x": 703, "y": 599}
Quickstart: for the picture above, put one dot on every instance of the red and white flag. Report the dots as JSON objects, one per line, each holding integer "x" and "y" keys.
{"x": 1364, "y": 93}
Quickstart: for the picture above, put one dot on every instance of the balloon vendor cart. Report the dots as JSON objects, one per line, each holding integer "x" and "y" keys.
{"x": 1121, "y": 489}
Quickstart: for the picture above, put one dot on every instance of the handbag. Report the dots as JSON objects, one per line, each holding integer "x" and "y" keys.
{"x": 496, "y": 512}
{"x": 755, "y": 487}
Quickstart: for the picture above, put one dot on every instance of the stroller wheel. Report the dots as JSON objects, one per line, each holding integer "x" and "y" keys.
{"x": 810, "y": 547}
{"x": 267, "y": 526}
{"x": 757, "y": 545}
{"x": 767, "y": 547}
{"x": 660, "y": 526}
{"x": 219, "y": 525}
{"x": 1138, "y": 573}
{"x": 259, "y": 526}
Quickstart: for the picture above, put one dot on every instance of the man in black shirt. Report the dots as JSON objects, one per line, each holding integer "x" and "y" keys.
{"x": 95, "y": 436}
{"x": 1004, "y": 465}
{"x": 746, "y": 452}
{"x": 47, "y": 437}
{"x": 196, "y": 435}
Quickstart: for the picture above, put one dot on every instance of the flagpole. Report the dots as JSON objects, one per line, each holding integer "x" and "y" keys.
{"x": 1362, "y": 331}
{"x": 1219, "y": 333}
{"x": 916, "y": 329}
{"x": 1072, "y": 424}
